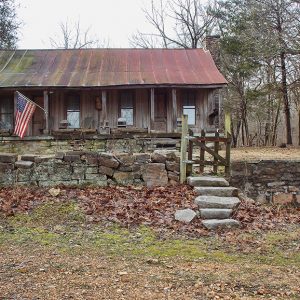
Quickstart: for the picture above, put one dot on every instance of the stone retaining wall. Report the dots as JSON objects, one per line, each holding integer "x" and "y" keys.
{"x": 263, "y": 180}
{"x": 86, "y": 167}
{"x": 128, "y": 143}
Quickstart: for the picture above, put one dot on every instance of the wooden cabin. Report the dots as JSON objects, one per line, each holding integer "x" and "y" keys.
{"x": 104, "y": 89}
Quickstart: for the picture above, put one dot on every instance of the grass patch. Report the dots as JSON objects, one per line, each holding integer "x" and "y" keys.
{"x": 62, "y": 226}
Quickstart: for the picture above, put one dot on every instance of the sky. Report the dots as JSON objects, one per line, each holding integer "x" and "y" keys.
{"x": 113, "y": 20}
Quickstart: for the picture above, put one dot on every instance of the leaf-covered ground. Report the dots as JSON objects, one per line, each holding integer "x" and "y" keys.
{"x": 123, "y": 243}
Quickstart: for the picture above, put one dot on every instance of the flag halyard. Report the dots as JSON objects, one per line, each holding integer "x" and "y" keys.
{"x": 24, "y": 112}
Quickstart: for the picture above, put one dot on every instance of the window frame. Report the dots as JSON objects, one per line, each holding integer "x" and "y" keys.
{"x": 69, "y": 98}
{"x": 189, "y": 97}
{"x": 11, "y": 113}
{"x": 131, "y": 94}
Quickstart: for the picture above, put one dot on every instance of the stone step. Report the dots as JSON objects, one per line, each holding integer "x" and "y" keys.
{"x": 217, "y": 202}
{"x": 227, "y": 191}
{"x": 207, "y": 181}
{"x": 219, "y": 224}
{"x": 215, "y": 213}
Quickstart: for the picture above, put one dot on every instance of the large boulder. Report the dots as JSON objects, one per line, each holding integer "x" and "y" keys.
{"x": 155, "y": 174}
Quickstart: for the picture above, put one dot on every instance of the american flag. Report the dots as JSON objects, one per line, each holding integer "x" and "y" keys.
{"x": 25, "y": 110}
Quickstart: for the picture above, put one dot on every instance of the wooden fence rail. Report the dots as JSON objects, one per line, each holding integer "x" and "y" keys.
{"x": 188, "y": 143}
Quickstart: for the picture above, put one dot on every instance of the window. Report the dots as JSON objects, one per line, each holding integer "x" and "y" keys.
{"x": 6, "y": 113}
{"x": 126, "y": 106}
{"x": 189, "y": 107}
{"x": 73, "y": 111}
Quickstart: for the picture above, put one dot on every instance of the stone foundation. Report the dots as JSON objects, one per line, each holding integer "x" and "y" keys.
{"x": 88, "y": 167}
{"x": 267, "y": 180}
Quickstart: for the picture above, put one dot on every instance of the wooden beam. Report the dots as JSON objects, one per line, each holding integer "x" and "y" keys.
{"x": 174, "y": 110}
{"x": 183, "y": 148}
{"x": 46, "y": 108}
{"x": 104, "y": 108}
{"x": 152, "y": 107}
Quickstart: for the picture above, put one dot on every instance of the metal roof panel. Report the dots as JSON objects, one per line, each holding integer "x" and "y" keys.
{"x": 107, "y": 67}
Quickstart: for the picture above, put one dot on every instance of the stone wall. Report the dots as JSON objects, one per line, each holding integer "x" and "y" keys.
{"x": 265, "y": 180}
{"x": 87, "y": 167}
{"x": 50, "y": 145}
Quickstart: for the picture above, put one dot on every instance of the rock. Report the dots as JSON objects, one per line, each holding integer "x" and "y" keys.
{"x": 142, "y": 158}
{"x": 91, "y": 158}
{"x": 158, "y": 158}
{"x": 174, "y": 176}
{"x": 28, "y": 157}
{"x": 217, "y": 202}
{"x": 107, "y": 171}
{"x": 172, "y": 166}
{"x": 125, "y": 159}
{"x": 91, "y": 170}
{"x": 71, "y": 157}
{"x": 23, "y": 164}
{"x": 123, "y": 178}
{"x": 215, "y": 213}
{"x": 207, "y": 181}
{"x": 171, "y": 155}
{"x": 60, "y": 155}
{"x": 276, "y": 184}
{"x": 108, "y": 160}
{"x": 216, "y": 191}
{"x": 54, "y": 192}
{"x": 8, "y": 157}
{"x": 218, "y": 224}
{"x": 185, "y": 215}
{"x": 155, "y": 174}
{"x": 262, "y": 199}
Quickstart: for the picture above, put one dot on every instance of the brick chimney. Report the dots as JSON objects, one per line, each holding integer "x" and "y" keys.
{"x": 212, "y": 44}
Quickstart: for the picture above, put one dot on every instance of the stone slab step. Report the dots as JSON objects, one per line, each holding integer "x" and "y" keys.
{"x": 215, "y": 213}
{"x": 207, "y": 181}
{"x": 217, "y": 202}
{"x": 227, "y": 191}
{"x": 219, "y": 224}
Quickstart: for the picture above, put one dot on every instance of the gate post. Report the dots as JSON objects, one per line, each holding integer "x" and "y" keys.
{"x": 183, "y": 148}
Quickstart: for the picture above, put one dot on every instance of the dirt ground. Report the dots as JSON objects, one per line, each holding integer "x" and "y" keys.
{"x": 53, "y": 248}
{"x": 255, "y": 153}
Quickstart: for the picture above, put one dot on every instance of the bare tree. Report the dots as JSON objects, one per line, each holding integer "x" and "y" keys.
{"x": 176, "y": 23}
{"x": 73, "y": 36}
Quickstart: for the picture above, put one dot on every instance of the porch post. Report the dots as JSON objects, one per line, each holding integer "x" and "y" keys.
{"x": 151, "y": 125}
{"x": 174, "y": 110}
{"x": 15, "y": 109}
{"x": 104, "y": 108}
{"x": 46, "y": 108}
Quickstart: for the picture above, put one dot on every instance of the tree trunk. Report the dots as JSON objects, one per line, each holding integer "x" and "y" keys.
{"x": 286, "y": 103}
{"x": 276, "y": 125}
{"x": 299, "y": 127}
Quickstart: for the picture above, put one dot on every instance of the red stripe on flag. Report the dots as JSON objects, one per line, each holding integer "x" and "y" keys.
{"x": 26, "y": 120}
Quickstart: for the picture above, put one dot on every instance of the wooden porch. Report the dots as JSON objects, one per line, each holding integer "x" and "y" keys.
{"x": 139, "y": 110}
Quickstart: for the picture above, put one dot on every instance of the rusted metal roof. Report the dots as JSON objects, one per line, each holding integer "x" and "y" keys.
{"x": 107, "y": 67}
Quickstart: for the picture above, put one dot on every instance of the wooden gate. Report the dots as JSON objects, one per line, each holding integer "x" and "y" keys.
{"x": 188, "y": 143}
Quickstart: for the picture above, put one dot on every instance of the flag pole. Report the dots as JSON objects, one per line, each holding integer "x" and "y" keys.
{"x": 33, "y": 102}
